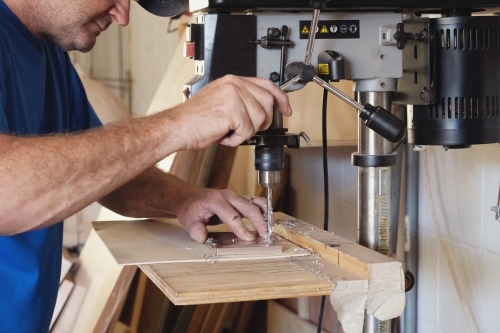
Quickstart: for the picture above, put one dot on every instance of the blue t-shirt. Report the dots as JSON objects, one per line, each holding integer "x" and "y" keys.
{"x": 40, "y": 93}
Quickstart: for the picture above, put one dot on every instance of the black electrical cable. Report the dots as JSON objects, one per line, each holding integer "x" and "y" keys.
{"x": 169, "y": 26}
{"x": 325, "y": 188}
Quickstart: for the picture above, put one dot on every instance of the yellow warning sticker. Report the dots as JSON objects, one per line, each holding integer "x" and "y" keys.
{"x": 324, "y": 30}
{"x": 323, "y": 69}
{"x": 305, "y": 30}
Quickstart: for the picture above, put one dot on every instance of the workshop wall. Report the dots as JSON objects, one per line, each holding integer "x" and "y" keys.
{"x": 304, "y": 197}
{"x": 464, "y": 185}
{"x": 132, "y": 60}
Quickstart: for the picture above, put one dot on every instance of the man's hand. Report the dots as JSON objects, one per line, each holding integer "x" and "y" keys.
{"x": 229, "y": 111}
{"x": 205, "y": 206}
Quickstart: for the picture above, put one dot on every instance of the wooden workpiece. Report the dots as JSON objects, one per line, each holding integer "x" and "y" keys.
{"x": 317, "y": 263}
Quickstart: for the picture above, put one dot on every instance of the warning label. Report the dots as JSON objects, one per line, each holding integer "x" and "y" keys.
{"x": 323, "y": 69}
{"x": 331, "y": 29}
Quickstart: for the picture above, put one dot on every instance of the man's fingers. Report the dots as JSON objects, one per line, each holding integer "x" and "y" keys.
{"x": 280, "y": 97}
{"x": 232, "y": 218}
{"x": 252, "y": 209}
{"x": 197, "y": 231}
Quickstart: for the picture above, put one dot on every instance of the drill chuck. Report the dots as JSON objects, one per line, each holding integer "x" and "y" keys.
{"x": 269, "y": 161}
{"x": 269, "y": 178}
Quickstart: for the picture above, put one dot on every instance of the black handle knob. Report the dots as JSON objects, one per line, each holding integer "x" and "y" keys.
{"x": 384, "y": 123}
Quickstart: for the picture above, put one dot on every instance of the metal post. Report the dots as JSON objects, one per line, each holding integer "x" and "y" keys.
{"x": 411, "y": 248}
{"x": 374, "y": 194}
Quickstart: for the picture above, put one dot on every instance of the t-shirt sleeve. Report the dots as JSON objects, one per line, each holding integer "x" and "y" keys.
{"x": 4, "y": 127}
{"x": 83, "y": 115}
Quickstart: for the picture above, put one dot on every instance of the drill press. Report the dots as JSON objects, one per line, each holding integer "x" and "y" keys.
{"x": 445, "y": 69}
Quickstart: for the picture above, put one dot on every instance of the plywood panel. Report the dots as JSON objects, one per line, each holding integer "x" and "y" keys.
{"x": 165, "y": 241}
{"x": 232, "y": 281}
{"x": 331, "y": 263}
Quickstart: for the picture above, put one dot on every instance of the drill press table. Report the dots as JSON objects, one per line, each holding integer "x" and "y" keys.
{"x": 188, "y": 273}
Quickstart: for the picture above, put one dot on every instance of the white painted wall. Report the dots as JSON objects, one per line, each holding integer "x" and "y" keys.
{"x": 142, "y": 50}
{"x": 464, "y": 186}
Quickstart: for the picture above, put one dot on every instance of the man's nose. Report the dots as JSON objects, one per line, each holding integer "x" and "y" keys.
{"x": 120, "y": 12}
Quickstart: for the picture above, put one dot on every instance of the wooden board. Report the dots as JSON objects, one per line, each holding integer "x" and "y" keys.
{"x": 165, "y": 241}
{"x": 352, "y": 275}
{"x": 282, "y": 320}
{"x": 341, "y": 251}
{"x": 233, "y": 281}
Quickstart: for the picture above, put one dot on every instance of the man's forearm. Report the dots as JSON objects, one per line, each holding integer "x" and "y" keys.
{"x": 154, "y": 193}
{"x": 43, "y": 180}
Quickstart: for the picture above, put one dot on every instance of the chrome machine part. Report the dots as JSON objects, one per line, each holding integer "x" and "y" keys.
{"x": 374, "y": 193}
{"x": 269, "y": 178}
{"x": 411, "y": 244}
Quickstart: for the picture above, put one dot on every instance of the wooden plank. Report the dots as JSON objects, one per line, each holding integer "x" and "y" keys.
{"x": 155, "y": 308}
{"x": 282, "y": 320}
{"x": 139, "y": 298}
{"x": 64, "y": 323}
{"x": 114, "y": 300}
{"x": 184, "y": 318}
{"x": 166, "y": 241}
{"x": 243, "y": 318}
{"x": 233, "y": 281}
{"x": 104, "y": 283}
{"x": 227, "y": 318}
{"x": 63, "y": 294}
{"x": 346, "y": 254}
{"x": 198, "y": 318}
{"x": 213, "y": 314}
{"x": 337, "y": 267}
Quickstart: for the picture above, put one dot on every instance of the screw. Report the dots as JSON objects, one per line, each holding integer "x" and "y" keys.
{"x": 274, "y": 76}
{"x": 273, "y": 32}
{"x": 423, "y": 96}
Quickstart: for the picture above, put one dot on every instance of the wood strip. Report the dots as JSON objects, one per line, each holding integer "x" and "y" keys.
{"x": 243, "y": 318}
{"x": 340, "y": 251}
{"x": 155, "y": 308}
{"x": 227, "y": 318}
{"x": 139, "y": 298}
{"x": 198, "y": 318}
{"x": 184, "y": 318}
{"x": 213, "y": 314}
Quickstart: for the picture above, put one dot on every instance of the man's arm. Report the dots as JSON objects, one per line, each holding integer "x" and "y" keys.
{"x": 155, "y": 193}
{"x": 43, "y": 180}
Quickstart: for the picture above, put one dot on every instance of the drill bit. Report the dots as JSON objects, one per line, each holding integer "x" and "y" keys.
{"x": 270, "y": 217}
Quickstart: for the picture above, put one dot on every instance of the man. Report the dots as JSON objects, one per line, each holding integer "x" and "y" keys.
{"x": 56, "y": 159}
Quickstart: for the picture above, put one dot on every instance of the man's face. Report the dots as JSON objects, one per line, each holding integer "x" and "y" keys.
{"x": 75, "y": 24}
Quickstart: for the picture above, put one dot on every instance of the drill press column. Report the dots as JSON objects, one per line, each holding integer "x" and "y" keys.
{"x": 374, "y": 184}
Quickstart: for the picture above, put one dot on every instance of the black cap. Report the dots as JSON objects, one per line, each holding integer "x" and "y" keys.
{"x": 164, "y": 7}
